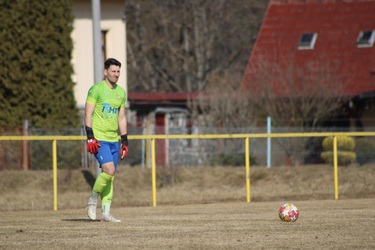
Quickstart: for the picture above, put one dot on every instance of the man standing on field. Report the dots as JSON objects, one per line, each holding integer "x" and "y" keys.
{"x": 104, "y": 119}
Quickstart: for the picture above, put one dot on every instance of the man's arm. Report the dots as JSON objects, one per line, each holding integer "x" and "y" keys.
{"x": 122, "y": 122}
{"x": 89, "y": 110}
{"x": 123, "y": 127}
{"x": 92, "y": 143}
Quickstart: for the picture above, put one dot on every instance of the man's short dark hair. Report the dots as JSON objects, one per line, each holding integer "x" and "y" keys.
{"x": 111, "y": 61}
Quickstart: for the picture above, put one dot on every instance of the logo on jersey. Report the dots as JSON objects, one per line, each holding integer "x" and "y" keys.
{"x": 107, "y": 110}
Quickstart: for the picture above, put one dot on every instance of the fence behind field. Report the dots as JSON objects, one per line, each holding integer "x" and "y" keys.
{"x": 179, "y": 152}
{"x": 245, "y": 138}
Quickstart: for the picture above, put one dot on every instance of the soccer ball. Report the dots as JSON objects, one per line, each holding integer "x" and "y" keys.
{"x": 288, "y": 212}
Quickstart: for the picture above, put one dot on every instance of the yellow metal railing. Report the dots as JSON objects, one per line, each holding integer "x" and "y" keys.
{"x": 246, "y": 137}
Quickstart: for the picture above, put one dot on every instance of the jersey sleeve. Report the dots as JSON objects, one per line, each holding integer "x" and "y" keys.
{"x": 92, "y": 95}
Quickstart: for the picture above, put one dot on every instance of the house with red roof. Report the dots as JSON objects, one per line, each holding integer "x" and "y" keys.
{"x": 325, "y": 42}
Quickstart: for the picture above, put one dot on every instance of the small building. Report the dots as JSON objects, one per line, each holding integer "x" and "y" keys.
{"x": 161, "y": 113}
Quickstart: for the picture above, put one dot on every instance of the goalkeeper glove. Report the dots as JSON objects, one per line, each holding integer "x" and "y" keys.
{"x": 92, "y": 144}
{"x": 124, "y": 146}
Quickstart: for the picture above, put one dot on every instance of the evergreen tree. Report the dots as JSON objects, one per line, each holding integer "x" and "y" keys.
{"x": 35, "y": 65}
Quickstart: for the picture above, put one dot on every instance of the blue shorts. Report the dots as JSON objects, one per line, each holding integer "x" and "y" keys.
{"x": 108, "y": 152}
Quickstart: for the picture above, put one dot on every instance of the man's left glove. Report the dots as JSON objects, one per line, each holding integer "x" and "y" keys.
{"x": 124, "y": 146}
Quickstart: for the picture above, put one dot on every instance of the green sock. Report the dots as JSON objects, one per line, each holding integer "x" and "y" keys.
{"x": 101, "y": 182}
{"x": 106, "y": 207}
{"x": 107, "y": 196}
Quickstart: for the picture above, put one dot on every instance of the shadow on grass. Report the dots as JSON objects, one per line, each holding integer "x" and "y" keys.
{"x": 80, "y": 220}
{"x": 89, "y": 177}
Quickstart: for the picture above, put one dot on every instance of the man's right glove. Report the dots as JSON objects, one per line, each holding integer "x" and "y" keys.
{"x": 92, "y": 144}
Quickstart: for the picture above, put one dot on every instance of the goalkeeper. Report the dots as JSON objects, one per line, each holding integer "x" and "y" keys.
{"x": 104, "y": 119}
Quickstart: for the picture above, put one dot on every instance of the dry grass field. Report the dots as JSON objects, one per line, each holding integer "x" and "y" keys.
{"x": 197, "y": 208}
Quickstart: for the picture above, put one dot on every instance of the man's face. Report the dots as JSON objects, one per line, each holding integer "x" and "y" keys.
{"x": 112, "y": 74}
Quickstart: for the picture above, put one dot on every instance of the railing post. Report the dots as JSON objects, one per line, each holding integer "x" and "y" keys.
{"x": 335, "y": 168}
{"x": 153, "y": 172}
{"x": 269, "y": 142}
{"x": 247, "y": 160}
{"x": 54, "y": 166}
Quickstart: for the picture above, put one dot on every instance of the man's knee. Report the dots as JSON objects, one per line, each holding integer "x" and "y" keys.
{"x": 109, "y": 168}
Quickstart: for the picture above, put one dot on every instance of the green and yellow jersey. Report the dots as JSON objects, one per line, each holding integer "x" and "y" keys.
{"x": 107, "y": 103}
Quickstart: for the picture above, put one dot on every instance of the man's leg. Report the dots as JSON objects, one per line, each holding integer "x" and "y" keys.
{"x": 107, "y": 194}
{"x": 99, "y": 186}
{"x": 105, "y": 159}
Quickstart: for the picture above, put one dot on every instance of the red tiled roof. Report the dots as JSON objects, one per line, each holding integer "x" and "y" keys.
{"x": 337, "y": 24}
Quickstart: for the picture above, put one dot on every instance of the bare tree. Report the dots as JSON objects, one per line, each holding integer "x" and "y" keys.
{"x": 292, "y": 95}
{"x": 175, "y": 45}
{"x": 298, "y": 97}
{"x": 226, "y": 105}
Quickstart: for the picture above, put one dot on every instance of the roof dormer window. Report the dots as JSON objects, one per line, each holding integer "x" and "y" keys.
{"x": 307, "y": 41}
{"x": 366, "y": 38}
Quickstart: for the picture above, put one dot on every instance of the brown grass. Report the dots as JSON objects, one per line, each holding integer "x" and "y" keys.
{"x": 183, "y": 219}
{"x": 33, "y": 190}
{"x": 323, "y": 224}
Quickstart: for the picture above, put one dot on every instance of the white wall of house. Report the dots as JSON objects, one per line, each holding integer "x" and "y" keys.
{"x": 112, "y": 21}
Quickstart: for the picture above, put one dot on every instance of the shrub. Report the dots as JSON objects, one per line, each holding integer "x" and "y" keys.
{"x": 365, "y": 151}
{"x": 344, "y": 143}
{"x": 344, "y": 158}
{"x": 345, "y": 150}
